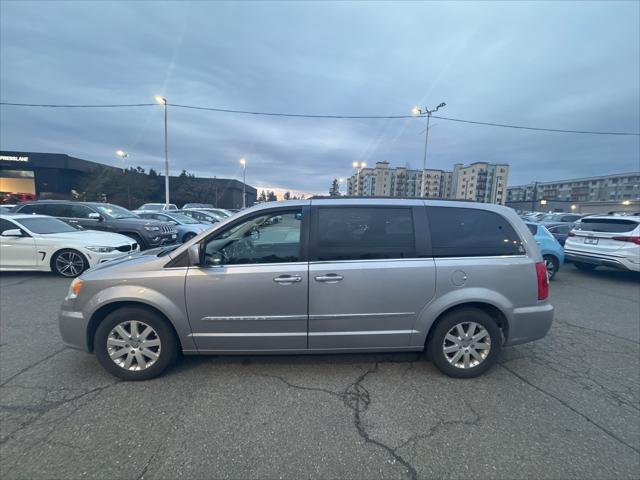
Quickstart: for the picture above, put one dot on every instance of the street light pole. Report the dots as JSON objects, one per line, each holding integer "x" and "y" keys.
{"x": 163, "y": 101}
{"x": 243, "y": 162}
{"x": 420, "y": 111}
{"x": 124, "y": 155}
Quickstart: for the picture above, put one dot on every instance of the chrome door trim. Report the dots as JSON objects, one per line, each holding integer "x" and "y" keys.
{"x": 333, "y": 316}
{"x": 245, "y": 335}
{"x": 254, "y": 318}
{"x": 363, "y": 332}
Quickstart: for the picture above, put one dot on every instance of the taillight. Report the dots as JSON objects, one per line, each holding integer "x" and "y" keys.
{"x": 635, "y": 239}
{"x": 543, "y": 281}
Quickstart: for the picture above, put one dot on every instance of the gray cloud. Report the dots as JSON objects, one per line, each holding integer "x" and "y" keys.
{"x": 558, "y": 65}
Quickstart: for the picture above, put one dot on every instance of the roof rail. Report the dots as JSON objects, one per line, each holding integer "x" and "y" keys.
{"x": 385, "y": 197}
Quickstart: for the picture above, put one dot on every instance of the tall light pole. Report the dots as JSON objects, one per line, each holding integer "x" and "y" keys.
{"x": 358, "y": 167}
{"x": 427, "y": 112}
{"x": 124, "y": 155}
{"x": 163, "y": 101}
{"x": 243, "y": 162}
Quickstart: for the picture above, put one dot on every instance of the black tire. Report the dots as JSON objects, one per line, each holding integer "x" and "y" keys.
{"x": 141, "y": 243}
{"x": 74, "y": 261}
{"x": 187, "y": 237}
{"x": 168, "y": 349}
{"x": 587, "y": 267}
{"x": 463, "y": 316}
{"x": 552, "y": 264}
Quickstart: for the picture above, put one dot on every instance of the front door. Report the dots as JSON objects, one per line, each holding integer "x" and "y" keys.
{"x": 368, "y": 282}
{"x": 16, "y": 252}
{"x": 250, "y": 291}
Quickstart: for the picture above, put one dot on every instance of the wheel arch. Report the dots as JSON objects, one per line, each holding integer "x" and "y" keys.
{"x": 101, "y": 313}
{"x": 490, "y": 309}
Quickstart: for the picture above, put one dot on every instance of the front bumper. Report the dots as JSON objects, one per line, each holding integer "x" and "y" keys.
{"x": 530, "y": 323}
{"x": 161, "y": 239}
{"x": 96, "y": 258}
{"x": 73, "y": 328}
{"x": 619, "y": 262}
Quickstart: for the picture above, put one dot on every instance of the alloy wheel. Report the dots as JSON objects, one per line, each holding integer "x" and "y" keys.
{"x": 466, "y": 345}
{"x": 69, "y": 264}
{"x": 133, "y": 345}
{"x": 551, "y": 268}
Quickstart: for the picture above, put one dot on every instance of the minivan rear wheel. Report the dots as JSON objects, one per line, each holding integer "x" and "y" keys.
{"x": 465, "y": 343}
{"x": 133, "y": 343}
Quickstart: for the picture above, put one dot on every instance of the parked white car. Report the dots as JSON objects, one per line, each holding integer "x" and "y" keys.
{"x": 158, "y": 207}
{"x": 39, "y": 242}
{"x": 608, "y": 240}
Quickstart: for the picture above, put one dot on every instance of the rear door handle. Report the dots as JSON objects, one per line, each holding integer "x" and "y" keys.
{"x": 287, "y": 279}
{"x": 329, "y": 278}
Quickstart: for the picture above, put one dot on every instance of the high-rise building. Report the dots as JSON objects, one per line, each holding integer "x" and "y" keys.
{"x": 481, "y": 182}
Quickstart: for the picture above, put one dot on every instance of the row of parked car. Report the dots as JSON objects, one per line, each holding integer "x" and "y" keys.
{"x": 587, "y": 240}
{"x": 68, "y": 237}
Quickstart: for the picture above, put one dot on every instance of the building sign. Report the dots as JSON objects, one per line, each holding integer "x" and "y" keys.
{"x": 13, "y": 158}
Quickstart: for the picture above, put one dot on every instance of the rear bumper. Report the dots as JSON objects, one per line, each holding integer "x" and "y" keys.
{"x": 621, "y": 263}
{"x": 530, "y": 323}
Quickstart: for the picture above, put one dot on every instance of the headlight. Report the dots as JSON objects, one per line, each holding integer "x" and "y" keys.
{"x": 151, "y": 229}
{"x": 74, "y": 289}
{"x": 101, "y": 249}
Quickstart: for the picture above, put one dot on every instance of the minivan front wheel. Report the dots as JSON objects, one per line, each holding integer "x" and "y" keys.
{"x": 465, "y": 343}
{"x": 133, "y": 343}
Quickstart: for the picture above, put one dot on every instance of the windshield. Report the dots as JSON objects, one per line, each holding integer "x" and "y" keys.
{"x": 179, "y": 217}
{"x": 114, "y": 211}
{"x": 551, "y": 217}
{"x": 152, "y": 207}
{"x": 45, "y": 226}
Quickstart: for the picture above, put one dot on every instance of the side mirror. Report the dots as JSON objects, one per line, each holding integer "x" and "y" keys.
{"x": 194, "y": 254}
{"x": 14, "y": 232}
{"x": 95, "y": 216}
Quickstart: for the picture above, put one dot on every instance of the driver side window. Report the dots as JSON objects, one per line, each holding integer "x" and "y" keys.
{"x": 268, "y": 238}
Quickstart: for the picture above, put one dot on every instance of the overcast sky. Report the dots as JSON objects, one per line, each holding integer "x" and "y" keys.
{"x": 550, "y": 64}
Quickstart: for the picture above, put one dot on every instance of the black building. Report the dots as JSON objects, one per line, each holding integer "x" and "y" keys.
{"x": 32, "y": 175}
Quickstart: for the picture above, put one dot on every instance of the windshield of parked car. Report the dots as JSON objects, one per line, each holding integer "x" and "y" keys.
{"x": 152, "y": 207}
{"x": 181, "y": 218}
{"x": 44, "y": 226}
{"x": 114, "y": 211}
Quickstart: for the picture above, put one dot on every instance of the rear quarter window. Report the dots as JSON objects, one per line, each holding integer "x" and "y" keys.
{"x": 608, "y": 225}
{"x": 468, "y": 232}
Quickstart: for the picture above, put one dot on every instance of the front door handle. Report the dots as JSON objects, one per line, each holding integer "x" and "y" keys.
{"x": 287, "y": 279}
{"x": 329, "y": 278}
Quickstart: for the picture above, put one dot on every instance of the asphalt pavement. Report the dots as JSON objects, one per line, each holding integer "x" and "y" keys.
{"x": 567, "y": 406}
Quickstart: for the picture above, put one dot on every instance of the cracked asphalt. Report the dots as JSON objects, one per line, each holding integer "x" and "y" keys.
{"x": 567, "y": 406}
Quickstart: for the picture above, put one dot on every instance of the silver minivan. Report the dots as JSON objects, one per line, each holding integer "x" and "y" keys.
{"x": 324, "y": 275}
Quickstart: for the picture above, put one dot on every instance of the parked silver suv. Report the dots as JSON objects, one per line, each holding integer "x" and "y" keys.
{"x": 321, "y": 275}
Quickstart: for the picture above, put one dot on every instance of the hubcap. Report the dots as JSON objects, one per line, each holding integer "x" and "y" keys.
{"x": 133, "y": 345}
{"x": 69, "y": 264}
{"x": 466, "y": 345}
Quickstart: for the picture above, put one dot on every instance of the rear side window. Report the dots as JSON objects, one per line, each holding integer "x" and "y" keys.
{"x": 608, "y": 225}
{"x": 57, "y": 210}
{"x": 6, "y": 225}
{"x": 363, "y": 233}
{"x": 32, "y": 208}
{"x": 532, "y": 228}
{"x": 468, "y": 232}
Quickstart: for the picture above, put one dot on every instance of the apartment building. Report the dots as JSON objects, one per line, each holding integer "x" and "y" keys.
{"x": 617, "y": 187}
{"x": 482, "y": 182}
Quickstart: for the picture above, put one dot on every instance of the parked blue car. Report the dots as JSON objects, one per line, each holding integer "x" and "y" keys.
{"x": 186, "y": 227}
{"x": 551, "y": 250}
